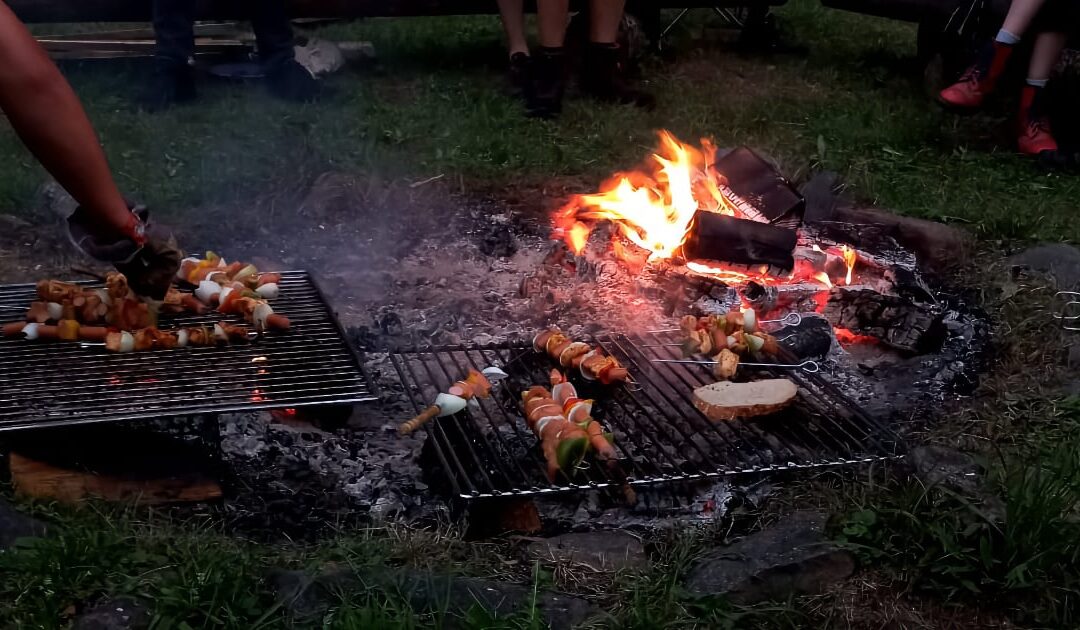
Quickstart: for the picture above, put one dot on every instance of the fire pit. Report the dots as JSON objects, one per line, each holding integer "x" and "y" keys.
{"x": 695, "y": 234}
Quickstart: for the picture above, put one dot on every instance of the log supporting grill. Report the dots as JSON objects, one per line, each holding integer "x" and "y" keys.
{"x": 488, "y": 451}
{"x": 46, "y": 384}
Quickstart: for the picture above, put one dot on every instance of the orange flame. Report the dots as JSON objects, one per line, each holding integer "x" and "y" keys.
{"x": 577, "y": 236}
{"x": 653, "y": 210}
{"x": 823, "y": 278}
{"x": 850, "y": 257}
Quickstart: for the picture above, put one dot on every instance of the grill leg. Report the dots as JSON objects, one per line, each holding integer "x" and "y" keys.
{"x": 210, "y": 435}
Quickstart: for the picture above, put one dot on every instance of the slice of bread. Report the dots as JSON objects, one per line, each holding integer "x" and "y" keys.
{"x": 726, "y": 400}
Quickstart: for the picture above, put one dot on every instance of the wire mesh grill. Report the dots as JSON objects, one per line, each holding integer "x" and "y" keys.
{"x": 57, "y": 383}
{"x": 488, "y": 451}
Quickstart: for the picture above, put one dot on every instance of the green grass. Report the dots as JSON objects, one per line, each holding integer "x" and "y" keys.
{"x": 434, "y": 104}
{"x": 952, "y": 546}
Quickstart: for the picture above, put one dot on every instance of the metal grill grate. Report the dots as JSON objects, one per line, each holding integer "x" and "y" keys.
{"x": 489, "y": 451}
{"x": 49, "y": 384}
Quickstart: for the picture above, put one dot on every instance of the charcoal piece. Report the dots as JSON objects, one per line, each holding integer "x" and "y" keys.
{"x": 813, "y": 337}
{"x": 717, "y": 237}
{"x": 759, "y": 190}
{"x": 898, "y": 322}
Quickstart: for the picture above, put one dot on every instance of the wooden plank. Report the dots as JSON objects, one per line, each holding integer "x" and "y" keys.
{"x": 139, "y": 10}
{"x": 41, "y": 480}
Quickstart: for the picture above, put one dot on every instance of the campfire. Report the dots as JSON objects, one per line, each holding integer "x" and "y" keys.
{"x": 732, "y": 219}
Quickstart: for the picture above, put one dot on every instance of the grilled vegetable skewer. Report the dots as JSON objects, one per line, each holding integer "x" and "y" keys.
{"x": 564, "y": 443}
{"x": 591, "y": 362}
{"x": 475, "y": 385}
{"x": 123, "y": 341}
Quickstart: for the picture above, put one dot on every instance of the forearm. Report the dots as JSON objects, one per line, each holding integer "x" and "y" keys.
{"x": 49, "y": 119}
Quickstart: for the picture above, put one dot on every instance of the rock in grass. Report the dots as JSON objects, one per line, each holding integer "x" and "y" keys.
{"x": 15, "y": 525}
{"x": 114, "y": 614}
{"x": 1059, "y": 261}
{"x": 789, "y": 558}
{"x": 599, "y": 551}
{"x": 938, "y": 465}
{"x": 306, "y": 597}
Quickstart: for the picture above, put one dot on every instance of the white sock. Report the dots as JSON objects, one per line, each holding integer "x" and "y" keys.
{"x": 1039, "y": 83}
{"x": 1007, "y": 38}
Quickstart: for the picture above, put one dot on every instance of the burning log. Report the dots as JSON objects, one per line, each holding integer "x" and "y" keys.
{"x": 728, "y": 239}
{"x": 899, "y": 323}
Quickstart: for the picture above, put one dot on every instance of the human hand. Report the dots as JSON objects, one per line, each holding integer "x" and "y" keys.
{"x": 148, "y": 257}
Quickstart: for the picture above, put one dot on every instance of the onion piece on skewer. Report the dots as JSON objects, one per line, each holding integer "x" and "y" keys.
{"x": 268, "y": 291}
{"x": 207, "y": 291}
{"x": 450, "y": 404}
{"x": 127, "y": 342}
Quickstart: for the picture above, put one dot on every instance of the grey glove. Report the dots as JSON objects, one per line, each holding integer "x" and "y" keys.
{"x": 150, "y": 266}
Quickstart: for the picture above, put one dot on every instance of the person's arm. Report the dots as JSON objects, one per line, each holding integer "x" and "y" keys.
{"x": 45, "y": 112}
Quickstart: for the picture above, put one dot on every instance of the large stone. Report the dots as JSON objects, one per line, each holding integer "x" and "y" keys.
{"x": 1059, "y": 261}
{"x": 15, "y": 525}
{"x": 599, "y": 551}
{"x": 114, "y": 614}
{"x": 306, "y": 597}
{"x": 938, "y": 465}
{"x": 789, "y": 558}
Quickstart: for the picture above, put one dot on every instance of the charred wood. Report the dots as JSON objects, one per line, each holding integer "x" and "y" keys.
{"x": 899, "y": 323}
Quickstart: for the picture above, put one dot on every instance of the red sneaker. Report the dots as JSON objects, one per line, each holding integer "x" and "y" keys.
{"x": 1035, "y": 134}
{"x": 979, "y": 80}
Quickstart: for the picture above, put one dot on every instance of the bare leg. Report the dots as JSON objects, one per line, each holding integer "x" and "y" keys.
{"x": 512, "y": 13}
{"x": 553, "y": 15}
{"x": 604, "y": 20}
{"x": 1021, "y": 13}
{"x": 1045, "y": 55}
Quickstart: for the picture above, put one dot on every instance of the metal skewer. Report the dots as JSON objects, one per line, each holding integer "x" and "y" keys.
{"x": 678, "y": 345}
{"x": 1070, "y": 310}
{"x": 791, "y": 319}
{"x": 810, "y": 367}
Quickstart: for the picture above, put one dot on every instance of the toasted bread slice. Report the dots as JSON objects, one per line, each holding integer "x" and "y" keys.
{"x": 727, "y": 401}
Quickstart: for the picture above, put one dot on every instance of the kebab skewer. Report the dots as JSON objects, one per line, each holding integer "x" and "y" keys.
{"x": 564, "y": 443}
{"x": 475, "y": 386}
{"x": 736, "y": 331}
{"x": 122, "y": 341}
{"x": 592, "y": 363}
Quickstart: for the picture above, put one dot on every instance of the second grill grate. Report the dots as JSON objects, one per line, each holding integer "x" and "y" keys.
{"x": 489, "y": 451}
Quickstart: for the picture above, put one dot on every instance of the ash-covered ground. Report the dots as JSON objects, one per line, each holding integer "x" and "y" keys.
{"x": 414, "y": 266}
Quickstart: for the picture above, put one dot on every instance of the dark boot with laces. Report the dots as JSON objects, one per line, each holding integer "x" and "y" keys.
{"x": 544, "y": 97}
{"x": 519, "y": 73}
{"x": 603, "y": 78}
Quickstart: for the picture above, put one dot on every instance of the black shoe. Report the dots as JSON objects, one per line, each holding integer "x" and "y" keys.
{"x": 544, "y": 99}
{"x": 603, "y": 78}
{"x": 171, "y": 84}
{"x": 519, "y": 73}
{"x": 292, "y": 82}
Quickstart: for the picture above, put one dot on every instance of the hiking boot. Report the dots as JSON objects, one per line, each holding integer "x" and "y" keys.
{"x": 520, "y": 73}
{"x": 548, "y": 83}
{"x": 603, "y": 78}
{"x": 171, "y": 84}
{"x": 292, "y": 82}
{"x": 979, "y": 80}
{"x": 1036, "y": 137}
